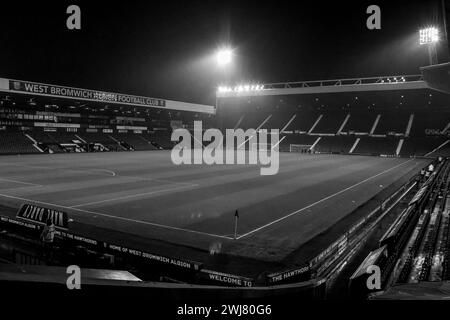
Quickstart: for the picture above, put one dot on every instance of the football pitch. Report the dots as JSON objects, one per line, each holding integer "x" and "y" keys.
{"x": 144, "y": 194}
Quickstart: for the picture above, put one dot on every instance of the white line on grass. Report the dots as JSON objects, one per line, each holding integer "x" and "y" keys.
{"x": 21, "y": 182}
{"x": 129, "y": 196}
{"x": 98, "y": 171}
{"x": 116, "y": 217}
{"x": 104, "y": 170}
{"x": 320, "y": 201}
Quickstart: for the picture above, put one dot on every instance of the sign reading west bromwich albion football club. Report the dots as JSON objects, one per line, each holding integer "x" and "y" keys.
{"x": 84, "y": 94}
{"x": 40, "y": 215}
{"x": 79, "y": 94}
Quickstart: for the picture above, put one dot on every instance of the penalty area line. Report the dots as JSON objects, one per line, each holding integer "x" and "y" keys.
{"x": 116, "y": 217}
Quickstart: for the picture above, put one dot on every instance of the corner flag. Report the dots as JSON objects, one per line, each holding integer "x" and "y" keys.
{"x": 236, "y": 217}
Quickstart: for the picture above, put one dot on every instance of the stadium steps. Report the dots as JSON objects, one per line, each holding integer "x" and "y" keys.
{"x": 392, "y": 123}
{"x": 329, "y": 123}
{"x": 119, "y": 143}
{"x": 409, "y": 126}
{"x": 375, "y": 124}
{"x": 15, "y": 143}
{"x": 286, "y": 126}
{"x": 238, "y": 123}
{"x": 337, "y": 144}
{"x": 376, "y": 146}
{"x": 437, "y": 267}
{"x": 359, "y": 123}
{"x": 399, "y": 147}
{"x": 34, "y": 142}
{"x": 355, "y": 144}
{"x": 315, "y": 123}
{"x": 343, "y": 124}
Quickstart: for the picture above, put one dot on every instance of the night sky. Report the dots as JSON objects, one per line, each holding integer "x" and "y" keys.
{"x": 164, "y": 49}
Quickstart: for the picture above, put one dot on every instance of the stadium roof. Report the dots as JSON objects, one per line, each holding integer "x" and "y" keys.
{"x": 385, "y": 83}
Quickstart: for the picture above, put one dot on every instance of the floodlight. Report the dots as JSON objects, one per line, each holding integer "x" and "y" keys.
{"x": 428, "y": 35}
{"x": 224, "y": 56}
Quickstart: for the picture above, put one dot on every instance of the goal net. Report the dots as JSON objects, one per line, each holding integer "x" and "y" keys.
{"x": 301, "y": 148}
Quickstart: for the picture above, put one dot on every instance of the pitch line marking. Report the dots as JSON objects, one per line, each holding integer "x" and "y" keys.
{"x": 104, "y": 170}
{"x": 320, "y": 201}
{"x": 161, "y": 180}
{"x": 21, "y": 182}
{"x": 116, "y": 217}
{"x": 94, "y": 171}
{"x": 128, "y": 197}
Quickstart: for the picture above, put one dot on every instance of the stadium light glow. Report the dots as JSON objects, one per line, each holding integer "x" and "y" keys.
{"x": 224, "y": 56}
{"x": 428, "y": 35}
{"x": 241, "y": 88}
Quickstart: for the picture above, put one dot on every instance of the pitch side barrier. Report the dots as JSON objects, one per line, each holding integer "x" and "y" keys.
{"x": 208, "y": 284}
{"x": 30, "y": 219}
{"x": 395, "y": 238}
{"x": 33, "y": 228}
{"x": 347, "y": 244}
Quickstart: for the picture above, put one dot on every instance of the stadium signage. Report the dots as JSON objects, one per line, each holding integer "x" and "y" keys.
{"x": 18, "y": 222}
{"x": 78, "y": 238}
{"x": 297, "y": 274}
{"x": 131, "y": 128}
{"x": 224, "y": 278}
{"x": 84, "y": 94}
{"x": 150, "y": 256}
{"x": 78, "y": 94}
{"x": 191, "y": 265}
{"x": 40, "y": 215}
{"x": 56, "y": 125}
{"x": 436, "y": 132}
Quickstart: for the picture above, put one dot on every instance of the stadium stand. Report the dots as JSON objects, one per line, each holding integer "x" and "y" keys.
{"x": 161, "y": 139}
{"x": 416, "y": 247}
{"x": 376, "y": 146}
{"x": 414, "y": 123}
{"x": 278, "y": 119}
{"x": 360, "y": 122}
{"x": 337, "y": 144}
{"x": 398, "y": 123}
{"x": 331, "y": 122}
{"x": 16, "y": 143}
{"x": 136, "y": 141}
{"x": 96, "y": 137}
{"x": 391, "y": 123}
{"x": 420, "y": 146}
{"x": 304, "y": 121}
